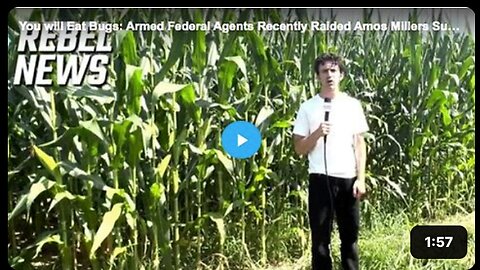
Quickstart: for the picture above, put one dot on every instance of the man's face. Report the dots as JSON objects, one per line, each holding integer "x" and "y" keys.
{"x": 330, "y": 75}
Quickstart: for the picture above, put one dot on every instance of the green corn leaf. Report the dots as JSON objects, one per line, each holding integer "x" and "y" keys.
{"x": 36, "y": 189}
{"x": 264, "y": 113}
{"x": 128, "y": 47}
{"x": 108, "y": 222}
{"x": 46, "y": 238}
{"x": 64, "y": 195}
{"x": 165, "y": 87}
{"x": 239, "y": 62}
{"x": 48, "y": 162}
{"x": 101, "y": 96}
{"x": 19, "y": 207}
{"x": 220, "y": 225}
{"x": 163, "y": 165}
{"x": 226, "y": 162}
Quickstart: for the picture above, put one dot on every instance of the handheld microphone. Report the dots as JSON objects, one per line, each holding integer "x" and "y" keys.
{"x": 327, "y": 107}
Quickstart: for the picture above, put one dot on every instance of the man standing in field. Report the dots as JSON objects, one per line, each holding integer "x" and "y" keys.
{"x": 337, "y": 167}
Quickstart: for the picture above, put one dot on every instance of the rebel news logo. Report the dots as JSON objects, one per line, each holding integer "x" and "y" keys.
{"x": 71, "y": 52}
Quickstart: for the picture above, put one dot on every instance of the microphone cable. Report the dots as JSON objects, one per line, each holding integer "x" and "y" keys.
{"x": 328, "y": 181}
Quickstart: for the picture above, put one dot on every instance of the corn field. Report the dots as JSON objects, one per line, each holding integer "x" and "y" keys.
{"x": 132, "y": 174}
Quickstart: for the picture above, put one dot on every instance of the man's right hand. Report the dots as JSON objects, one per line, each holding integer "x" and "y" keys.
{"x": 303, "y": 145}
{"x": 324, "y": 129}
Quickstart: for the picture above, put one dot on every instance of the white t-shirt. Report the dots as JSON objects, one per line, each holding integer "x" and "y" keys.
{"x": 347, "y": 119}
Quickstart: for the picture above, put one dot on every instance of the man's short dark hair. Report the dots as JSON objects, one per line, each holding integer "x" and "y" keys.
{"x": 329, "y": 57}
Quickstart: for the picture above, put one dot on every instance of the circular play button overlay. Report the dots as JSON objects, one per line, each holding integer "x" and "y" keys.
{"x": 241, "y": 139}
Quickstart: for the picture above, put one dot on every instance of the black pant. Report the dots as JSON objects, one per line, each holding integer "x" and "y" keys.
{"x": 346, "y": 208}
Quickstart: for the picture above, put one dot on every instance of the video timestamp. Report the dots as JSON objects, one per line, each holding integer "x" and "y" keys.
{"x": 438, "y": 242}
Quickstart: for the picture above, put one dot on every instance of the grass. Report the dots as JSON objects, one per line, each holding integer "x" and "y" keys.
{"x": 387, "y": 247}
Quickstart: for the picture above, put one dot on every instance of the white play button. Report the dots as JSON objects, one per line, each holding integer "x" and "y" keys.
{"x": 240, "y": 140}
